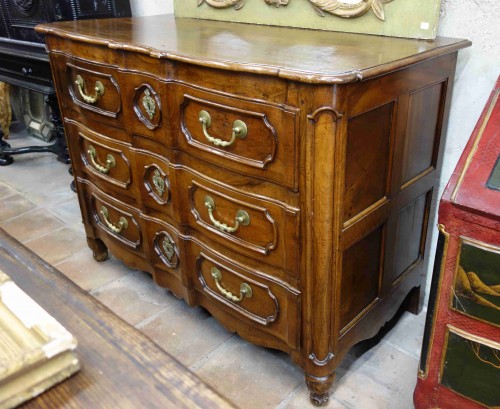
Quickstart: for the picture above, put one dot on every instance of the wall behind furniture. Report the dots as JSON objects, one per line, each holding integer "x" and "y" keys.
{"x": 477, "y": 70}
{"x": 151, "y": 7}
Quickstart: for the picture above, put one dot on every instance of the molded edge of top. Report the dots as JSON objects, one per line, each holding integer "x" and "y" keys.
{"x": 310, "y": 77}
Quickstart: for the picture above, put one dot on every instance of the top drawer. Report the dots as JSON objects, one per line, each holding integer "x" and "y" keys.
{"x": 91, "y": 89}
{"x": 243, "y": 135}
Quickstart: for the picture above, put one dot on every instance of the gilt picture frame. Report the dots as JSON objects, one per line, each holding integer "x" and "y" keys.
{"x": 396, "y": 18}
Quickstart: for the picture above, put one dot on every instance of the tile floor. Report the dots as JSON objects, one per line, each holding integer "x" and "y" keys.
{"x": 38, "y": 208}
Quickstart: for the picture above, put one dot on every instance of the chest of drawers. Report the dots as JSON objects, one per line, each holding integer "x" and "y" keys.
{"x": 280, "y": 178}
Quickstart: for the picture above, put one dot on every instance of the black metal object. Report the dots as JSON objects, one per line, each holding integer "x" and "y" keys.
{"x": 436, "y": 276}
{"x": 25, "y": 63}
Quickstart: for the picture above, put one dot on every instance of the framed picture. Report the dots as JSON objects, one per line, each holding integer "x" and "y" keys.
{"x": 398, "y": 18}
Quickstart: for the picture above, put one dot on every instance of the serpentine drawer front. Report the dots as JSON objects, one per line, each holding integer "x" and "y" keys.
{"x": 91, "y": 89}
{"x": 254, "y": 138}
{"x": 280, "y": 178}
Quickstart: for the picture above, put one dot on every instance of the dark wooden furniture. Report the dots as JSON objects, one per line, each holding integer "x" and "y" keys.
{"x": 281, "y": 178}
{"x": 24, "y": 61}
{"x": 121, "y": 368}
{"x": 460, "y": 362}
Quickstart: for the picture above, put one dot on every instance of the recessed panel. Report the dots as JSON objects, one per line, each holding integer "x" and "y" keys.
{"x": 409, "y": 245}
{"x": 470, "y": 368}
{"x": 367, "y": 159}
{"x": 422, "y": 141}
{"x": 477, "y": 281}
{"x": 360, "y": 275}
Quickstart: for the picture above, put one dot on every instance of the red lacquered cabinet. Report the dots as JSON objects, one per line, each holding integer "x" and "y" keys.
{"x": 460, "y": 362}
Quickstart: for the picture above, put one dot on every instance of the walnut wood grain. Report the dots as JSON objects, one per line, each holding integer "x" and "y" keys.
{"x": 120, "y": 366}
{"x": 337, "y": 171}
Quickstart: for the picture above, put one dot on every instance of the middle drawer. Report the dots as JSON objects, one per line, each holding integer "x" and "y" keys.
{"x": 255, "y": 226}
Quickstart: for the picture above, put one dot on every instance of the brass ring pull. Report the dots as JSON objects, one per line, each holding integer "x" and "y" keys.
{"x": 245, "y": 289}
{"x": 122, "y": 224}
{"x": 98, "y": 88}
{"x": 242, "y": 218}
{"x": 110, "y": 161}
{"x": 239, "y": 130}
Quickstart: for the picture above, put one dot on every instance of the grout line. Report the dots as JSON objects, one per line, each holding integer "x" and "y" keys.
{"x": 46, "y": 234}
{"x": 10, "y": 195}
{"x": 18, "y": 215}
{"x": 152, "y": 317}
{"x": 400, "y": 349}
{"x": 198, "y": 364}
{"x": 95, "y": 292}
{"x": 288, "y": 397}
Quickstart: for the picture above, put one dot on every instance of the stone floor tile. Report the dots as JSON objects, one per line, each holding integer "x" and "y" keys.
{"x": 59, "y": 245}
{"x": 134, "y": 297}
{"x": 248, "y": 375}
{"x": 68, "y": 210}
{"x": 14, "y": 206}
{"x": 187, "y": 333}
{"x": 379, "y": 378}
{"x": 89, "y": 274}
{"x": 39, "y": 177}
{"x": 31, "y": 225}
{"x": 6, "y": 190}
{"x": 407, "y": 335}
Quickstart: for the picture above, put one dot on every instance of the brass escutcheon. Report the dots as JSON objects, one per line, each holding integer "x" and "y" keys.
{"x": 158, "y": 182}
{"x": 149, "y": 104}
{"x": 168, "y": 248}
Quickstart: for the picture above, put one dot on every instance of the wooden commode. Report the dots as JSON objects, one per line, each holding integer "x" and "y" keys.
{"x": 281, "y": 178}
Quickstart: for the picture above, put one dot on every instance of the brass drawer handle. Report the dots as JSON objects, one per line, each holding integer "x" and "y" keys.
{"x": 98, "y": 88}
{"x": 245, "y": 289}
{"x": 242, "y": 218}
{"x": 122, "y": 224}
{"x": 110, "y": 161}
{"x": 239, "y": 130}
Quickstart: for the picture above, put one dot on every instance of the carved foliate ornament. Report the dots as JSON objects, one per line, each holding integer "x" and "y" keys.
{"x": 340, "y": 8}
{"x": 277, "y": 3}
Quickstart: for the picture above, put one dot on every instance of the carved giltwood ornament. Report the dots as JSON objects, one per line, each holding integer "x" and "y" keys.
{"x": 222, "y": 4}
{"x": 340, "y": 8}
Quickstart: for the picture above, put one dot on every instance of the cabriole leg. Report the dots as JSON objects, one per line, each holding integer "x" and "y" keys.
{"x": 99, "y": 249}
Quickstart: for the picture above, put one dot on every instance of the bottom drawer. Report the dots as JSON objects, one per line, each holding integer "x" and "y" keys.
{"x": 267, "y": 305}
{"x": 115, "y": 222}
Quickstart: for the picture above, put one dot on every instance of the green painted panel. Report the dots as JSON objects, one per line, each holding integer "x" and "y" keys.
{"x": 477, "y": 286}
{"x": 472, "y": 369}
{"x": 403, "y": 18}
{"x": 494, "y": 179}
